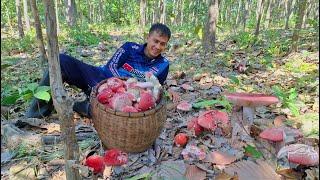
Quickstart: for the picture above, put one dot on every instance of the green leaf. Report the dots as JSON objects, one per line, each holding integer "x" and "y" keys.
{"x": 205, "y": 103}
{"x": 32, "y": 86}
{"x": 234, "y": 79}
{"x": 9, "y": 100}
{"x": 294, "y": 109}
{"x": 43, "y": 88}
{"x": 253, "y": 152}
{"x": 27, "y": 96}
{"x": 43, "y": 95}
{"x": 141, "y": 176}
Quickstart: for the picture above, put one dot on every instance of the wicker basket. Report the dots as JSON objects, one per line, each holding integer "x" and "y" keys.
{"x": 129, "y": 132}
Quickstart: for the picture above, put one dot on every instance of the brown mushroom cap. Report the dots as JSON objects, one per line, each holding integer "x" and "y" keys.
{"x": 272, "y": 134}
{"x": 251, "y": 99}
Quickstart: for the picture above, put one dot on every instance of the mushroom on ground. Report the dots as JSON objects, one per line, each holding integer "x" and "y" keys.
{"x": 212, "y": 119}
{"x": 300, "y": 154}
{"x": 274, "y": 135}
{"x": 249, "y": 101}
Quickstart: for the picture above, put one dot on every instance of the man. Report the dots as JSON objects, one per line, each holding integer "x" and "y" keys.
{"x": 130, "y": 60}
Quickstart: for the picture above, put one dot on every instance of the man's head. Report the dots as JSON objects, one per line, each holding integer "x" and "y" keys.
{"x": 158, "y": 37}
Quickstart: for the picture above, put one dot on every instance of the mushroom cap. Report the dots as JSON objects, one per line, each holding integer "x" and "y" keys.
{"x": 211, "y": 118}
{"x": 251, "y": 99}
{"x": 273, "y": 134}
{"x": 300, "y": 154}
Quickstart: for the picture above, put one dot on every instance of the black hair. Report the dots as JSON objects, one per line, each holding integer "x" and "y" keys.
{"x": 160, "y": 28}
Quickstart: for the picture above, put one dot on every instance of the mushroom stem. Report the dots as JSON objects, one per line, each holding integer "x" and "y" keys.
{"x": 248, "y": 116}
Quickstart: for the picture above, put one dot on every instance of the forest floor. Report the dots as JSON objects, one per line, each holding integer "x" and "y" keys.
{"x": 25, "y": 154}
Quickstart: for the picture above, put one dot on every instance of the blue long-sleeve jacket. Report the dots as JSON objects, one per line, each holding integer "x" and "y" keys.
{"x": 130, "y": 61}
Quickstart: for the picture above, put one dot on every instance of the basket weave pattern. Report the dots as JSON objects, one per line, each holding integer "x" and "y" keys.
{"x": 129, "y": 132}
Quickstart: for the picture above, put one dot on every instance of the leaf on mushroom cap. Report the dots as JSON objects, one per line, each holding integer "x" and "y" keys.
{"x": 273, "y": 134}
{"x": 251, "y": 99}
{"x": 211, "y": 118}
{"x": 221, "y": 158}
{"x": 184, "y": 106}
{"x": 300, "y": 154}
{"x": 115, "y": 157}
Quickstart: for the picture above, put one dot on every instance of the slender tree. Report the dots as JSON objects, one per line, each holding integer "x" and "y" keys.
{"x": 143, "y": 6}
{"x": 61, "y": 101}
{"x": 37, "y": 26}
{"x": 211, "y": 25}
{"x": 71, "y": 12}
{"x": 256, "y": 33}
{"x": 19, "y": 17}
{"x": 25, "y": 14}
{"x": 288, "y": 6}
{"x": 295, "y": 37}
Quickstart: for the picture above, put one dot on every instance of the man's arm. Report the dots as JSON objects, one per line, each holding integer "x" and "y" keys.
{"x": 118, "y": 59}
{"x": 161, "y": 70}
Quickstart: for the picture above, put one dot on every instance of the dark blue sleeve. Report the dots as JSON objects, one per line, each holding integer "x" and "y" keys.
{"x": 163, "y": 70}
{"x": 118, "y": 59}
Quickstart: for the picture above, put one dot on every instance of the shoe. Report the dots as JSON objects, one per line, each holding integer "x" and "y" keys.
{"x": 83, "y": 108}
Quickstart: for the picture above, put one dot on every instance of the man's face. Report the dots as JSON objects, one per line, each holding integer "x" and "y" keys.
{"x": 156, "y": 44}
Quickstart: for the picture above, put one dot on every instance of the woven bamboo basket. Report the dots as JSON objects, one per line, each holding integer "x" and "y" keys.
{"x": 129, "y": 132}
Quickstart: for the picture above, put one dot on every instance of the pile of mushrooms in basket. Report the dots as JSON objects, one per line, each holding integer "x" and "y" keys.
{"x": 130, "y": 95}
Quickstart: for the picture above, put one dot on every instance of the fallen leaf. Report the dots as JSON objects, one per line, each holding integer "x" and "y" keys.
{"x": 221, "y": 158}
{"x": 251, "y": 170}
{"x": 225, "y": 176}
{"x": 290, "y": 174}
{"x": 170, "y": 170}
{"x": 194, "y": 173}
{"x": 52, "y": 127}
{"x": 278, "y": 121}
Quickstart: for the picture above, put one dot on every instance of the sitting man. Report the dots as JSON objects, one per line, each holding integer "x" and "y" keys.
{"x": 130, "y": 60}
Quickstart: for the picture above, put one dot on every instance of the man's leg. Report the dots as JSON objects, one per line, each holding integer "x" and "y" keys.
{"x": 74, "y": 72}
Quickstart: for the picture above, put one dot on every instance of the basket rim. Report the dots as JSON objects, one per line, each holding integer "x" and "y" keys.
{"x": 93, "y": 95}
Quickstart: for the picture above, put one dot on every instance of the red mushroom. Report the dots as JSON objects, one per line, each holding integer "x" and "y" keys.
{"x": 274, "y": 135}
{"x": 249, "y": 101}
{"x": 194, "y": 126}
{"x": 115, "y": 157}
{"x": 210, "y": 119}
{"x": 300, "y": 154}
{"x": 96, "y": 162}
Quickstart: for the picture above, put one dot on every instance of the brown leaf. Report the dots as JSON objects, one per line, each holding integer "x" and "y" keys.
{"x": 221, "y": 158}
{"x": 250, "y": 170}
{"x": 278, "y": 121}
{"x": 290, "y": 174}
{"x": 225, "y": 176}
{"x": 52, "y": 127}
{"x": 194, "y": 173}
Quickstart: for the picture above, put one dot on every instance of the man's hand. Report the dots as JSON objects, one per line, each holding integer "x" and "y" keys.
{"x": 174, "y": 96}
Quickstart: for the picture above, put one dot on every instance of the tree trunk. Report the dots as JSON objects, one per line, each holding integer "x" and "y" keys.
{"x": 182, "y": 12}
{"x": 163, "y": 11}
{"x": 57, "y": 14}
{"x": 295, "y": 37}
{"x": 143, "y": 5}
{"x": 268, "y": 15}
{"x": 306, "y": 14}
{"x": 238, "y": 11}
{"x": 61, "y": 101}
{"x": 37, "y": 26}
{"x": 9, "y": 19}
{"x": 19, "y": 17}
{"x": 71, "y": 12}
{"x": 256, "y": 33}
{"x": 245, "y": 15}
{"x": 289, "y": 8}
{"x": 25, "y": 13}
{"x": 211, "y": 25}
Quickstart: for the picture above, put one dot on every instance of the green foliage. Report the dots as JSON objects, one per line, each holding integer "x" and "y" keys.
{"x": 26, "y": 44}
{"x": 222, "y": 101}
{"x": 12, "y": 95}
{"x": 299, "y": 66}
{"x": 83, "y": 37}
{"x": 252, "y": 151}
{"x": 244, "y": 39}
{"x": 24, "y": 150}
{"x": 287, "y": 98}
